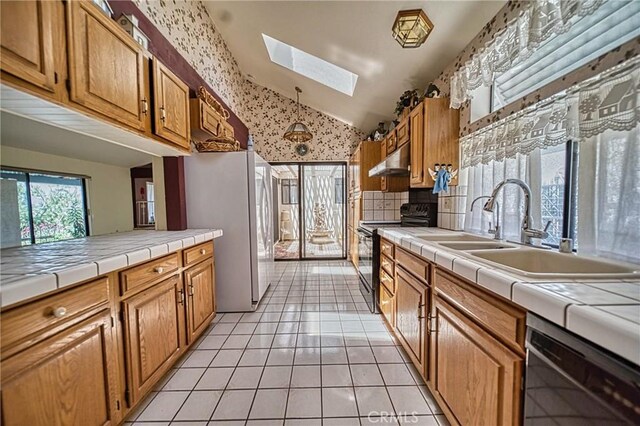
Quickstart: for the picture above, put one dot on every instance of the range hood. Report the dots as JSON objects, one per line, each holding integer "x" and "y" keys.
{"x": 396, "y": 164}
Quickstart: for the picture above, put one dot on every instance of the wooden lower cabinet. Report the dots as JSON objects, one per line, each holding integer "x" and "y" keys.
{"x": 68, "y": 379}
{"x": 199, "y": 282}
{"x": 153, "y": 333}
{"x": 388, "y": 306}
{"x": 475, "y": 376}
{"x": 412, "y": 305}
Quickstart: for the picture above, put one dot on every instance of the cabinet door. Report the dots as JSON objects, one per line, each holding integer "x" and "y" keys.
{"x": 67, "y": 379}
{"x": 477, "y": 377}
{"x": 441, "y": 127}
{"x": 411, "y": 309}
{"x": 154, "y": 334}
{"x": 387, "y": 306}
{"x": 416, "y": 118}
{"x": 27, "y": 34}
{"x": 199, "y": 282}
{"x": 402, "y": 132}
{"x": 106, "y": 66}
{"x": 171, "y": 106}
{"x": 391, "y": 141}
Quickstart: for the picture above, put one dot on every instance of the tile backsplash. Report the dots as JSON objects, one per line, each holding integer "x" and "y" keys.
{"x": 379, "y": 205}
{"x": 451, "y": 208}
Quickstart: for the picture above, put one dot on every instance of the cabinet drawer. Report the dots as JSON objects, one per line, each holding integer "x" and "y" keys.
{"x": 413, "y": 264}
{"x": 387, "y": 265}
{"x": 387, "y": 248}
{"x": 388, "y": 306}
{"x": 195, "y": 254}
{"x": 34, "y": 318}
{"x": 502, "y": 319}
{"x": 136, "y": 278}
{"x": 387, "y": 281}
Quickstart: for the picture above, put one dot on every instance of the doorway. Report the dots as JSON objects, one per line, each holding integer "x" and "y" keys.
{"x": 310, "y": 209}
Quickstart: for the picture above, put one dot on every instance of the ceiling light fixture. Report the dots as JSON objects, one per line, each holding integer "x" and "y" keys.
{"x": 298, "y": 131}
{"x": 411, "y": 28}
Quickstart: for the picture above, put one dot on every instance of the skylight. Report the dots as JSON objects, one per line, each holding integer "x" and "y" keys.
{"x": 311, "y": 66}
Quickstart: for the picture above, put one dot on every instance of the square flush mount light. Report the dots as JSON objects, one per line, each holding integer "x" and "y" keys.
{"x": 411, "y": 28}
{"x": 310, "y": 66}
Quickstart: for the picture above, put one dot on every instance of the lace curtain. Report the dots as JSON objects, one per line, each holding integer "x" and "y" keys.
{"x": 601, "y": 114}
{"x": 540, "y": 20}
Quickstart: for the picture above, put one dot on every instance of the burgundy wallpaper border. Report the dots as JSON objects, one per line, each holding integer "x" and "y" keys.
{"x": 160, "y": 47}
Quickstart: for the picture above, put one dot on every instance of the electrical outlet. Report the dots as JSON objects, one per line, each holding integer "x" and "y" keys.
{"x": 447, "y": 204}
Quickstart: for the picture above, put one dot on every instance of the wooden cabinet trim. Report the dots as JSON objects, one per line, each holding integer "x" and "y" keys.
{"x": 416, "y": 118}
{"x": 139, "y": 277}
{"x": 388, "y": 281}
{"x": 503, "y": 320}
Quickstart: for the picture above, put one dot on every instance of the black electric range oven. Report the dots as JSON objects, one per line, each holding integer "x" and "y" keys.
{"x": 412, "y": 215}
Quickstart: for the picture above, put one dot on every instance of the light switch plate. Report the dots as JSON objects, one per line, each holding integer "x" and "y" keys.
{"x": 447, "y": 204}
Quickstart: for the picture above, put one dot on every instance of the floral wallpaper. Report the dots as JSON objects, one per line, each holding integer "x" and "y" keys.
{"x": 509, "y": 12}
{"x": 189, "y": 28}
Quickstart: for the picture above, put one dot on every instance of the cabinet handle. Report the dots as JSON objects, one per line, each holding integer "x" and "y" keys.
{"x": 191, "y": 291}
{"x": 145, "y": 107}
{"x": 163, "y": 114}
{"x": 420, "y": 306}
{"x": 181, "y": 297}
{"x": 158, "y": 269}
{"x": 59, "y": 312}
{"x": 203, "y": 251}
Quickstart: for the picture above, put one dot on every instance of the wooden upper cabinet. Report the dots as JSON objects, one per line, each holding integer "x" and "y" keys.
{"x": 29, "y": 35}
{"x": 402, "y": 132}
{"x": 171, "y": 106}
{"x": 416, "y": 118}
{"x": 106, "y": 66}
{"x": 437, "y": 143}
{"x": 412, "y": 299}
{"x": 391, "y": 141}
{"x": 476, "y": 376}
{"x": 68, "y": 379}
{"x": 154, "y": 334}
{"x": 199, "y": 283}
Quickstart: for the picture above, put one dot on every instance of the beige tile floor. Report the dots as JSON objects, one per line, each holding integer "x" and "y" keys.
{"x": 311, "y": 355}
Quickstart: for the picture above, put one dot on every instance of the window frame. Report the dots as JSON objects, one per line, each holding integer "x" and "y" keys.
{"x": 286, "y": 194}
{"x": 27, "y": 174}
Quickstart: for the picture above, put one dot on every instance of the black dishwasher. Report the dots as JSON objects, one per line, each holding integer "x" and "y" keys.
{"x": 570, "y": 381}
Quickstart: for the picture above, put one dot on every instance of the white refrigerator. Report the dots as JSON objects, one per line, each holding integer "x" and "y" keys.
{"x": 232, "y": 191}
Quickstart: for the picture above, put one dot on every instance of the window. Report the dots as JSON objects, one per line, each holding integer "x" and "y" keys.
{"x": 339, "y": 190}
{"x": 611, "y": 25}
{"x": 289, "y": 191}
{"x": 42, "y": 207}
{"x": 311, "y": 66}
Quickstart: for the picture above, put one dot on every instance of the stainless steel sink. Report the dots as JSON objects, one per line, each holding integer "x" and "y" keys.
{"x": 547, "y": 264}
{"x": 477, "y": 245}
{"x": 452, "y": 237}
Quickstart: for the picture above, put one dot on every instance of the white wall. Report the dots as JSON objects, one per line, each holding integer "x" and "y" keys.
{"x": 108, "y": 189}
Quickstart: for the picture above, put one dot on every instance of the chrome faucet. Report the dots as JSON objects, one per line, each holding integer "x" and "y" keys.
{"x": 497, "y": 231}
{"x": 527, "y": 233}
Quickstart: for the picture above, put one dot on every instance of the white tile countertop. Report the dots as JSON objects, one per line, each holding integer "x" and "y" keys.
{"x": 606, "y": 312}
{"x": 30, "y": 271}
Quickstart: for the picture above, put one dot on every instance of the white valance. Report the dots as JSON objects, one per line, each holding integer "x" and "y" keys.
{"x": 540, "y": 20}
{"x": 608, "y": 101}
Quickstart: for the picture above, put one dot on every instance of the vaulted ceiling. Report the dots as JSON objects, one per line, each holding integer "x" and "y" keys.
{"x": 355, "y": 35}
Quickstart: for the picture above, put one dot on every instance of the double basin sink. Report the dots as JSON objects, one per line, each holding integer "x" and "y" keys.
{"x": 533, "y": 262}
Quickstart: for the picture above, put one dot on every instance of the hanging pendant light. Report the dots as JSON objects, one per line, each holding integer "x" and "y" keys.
{"x": 298, "y": 131}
